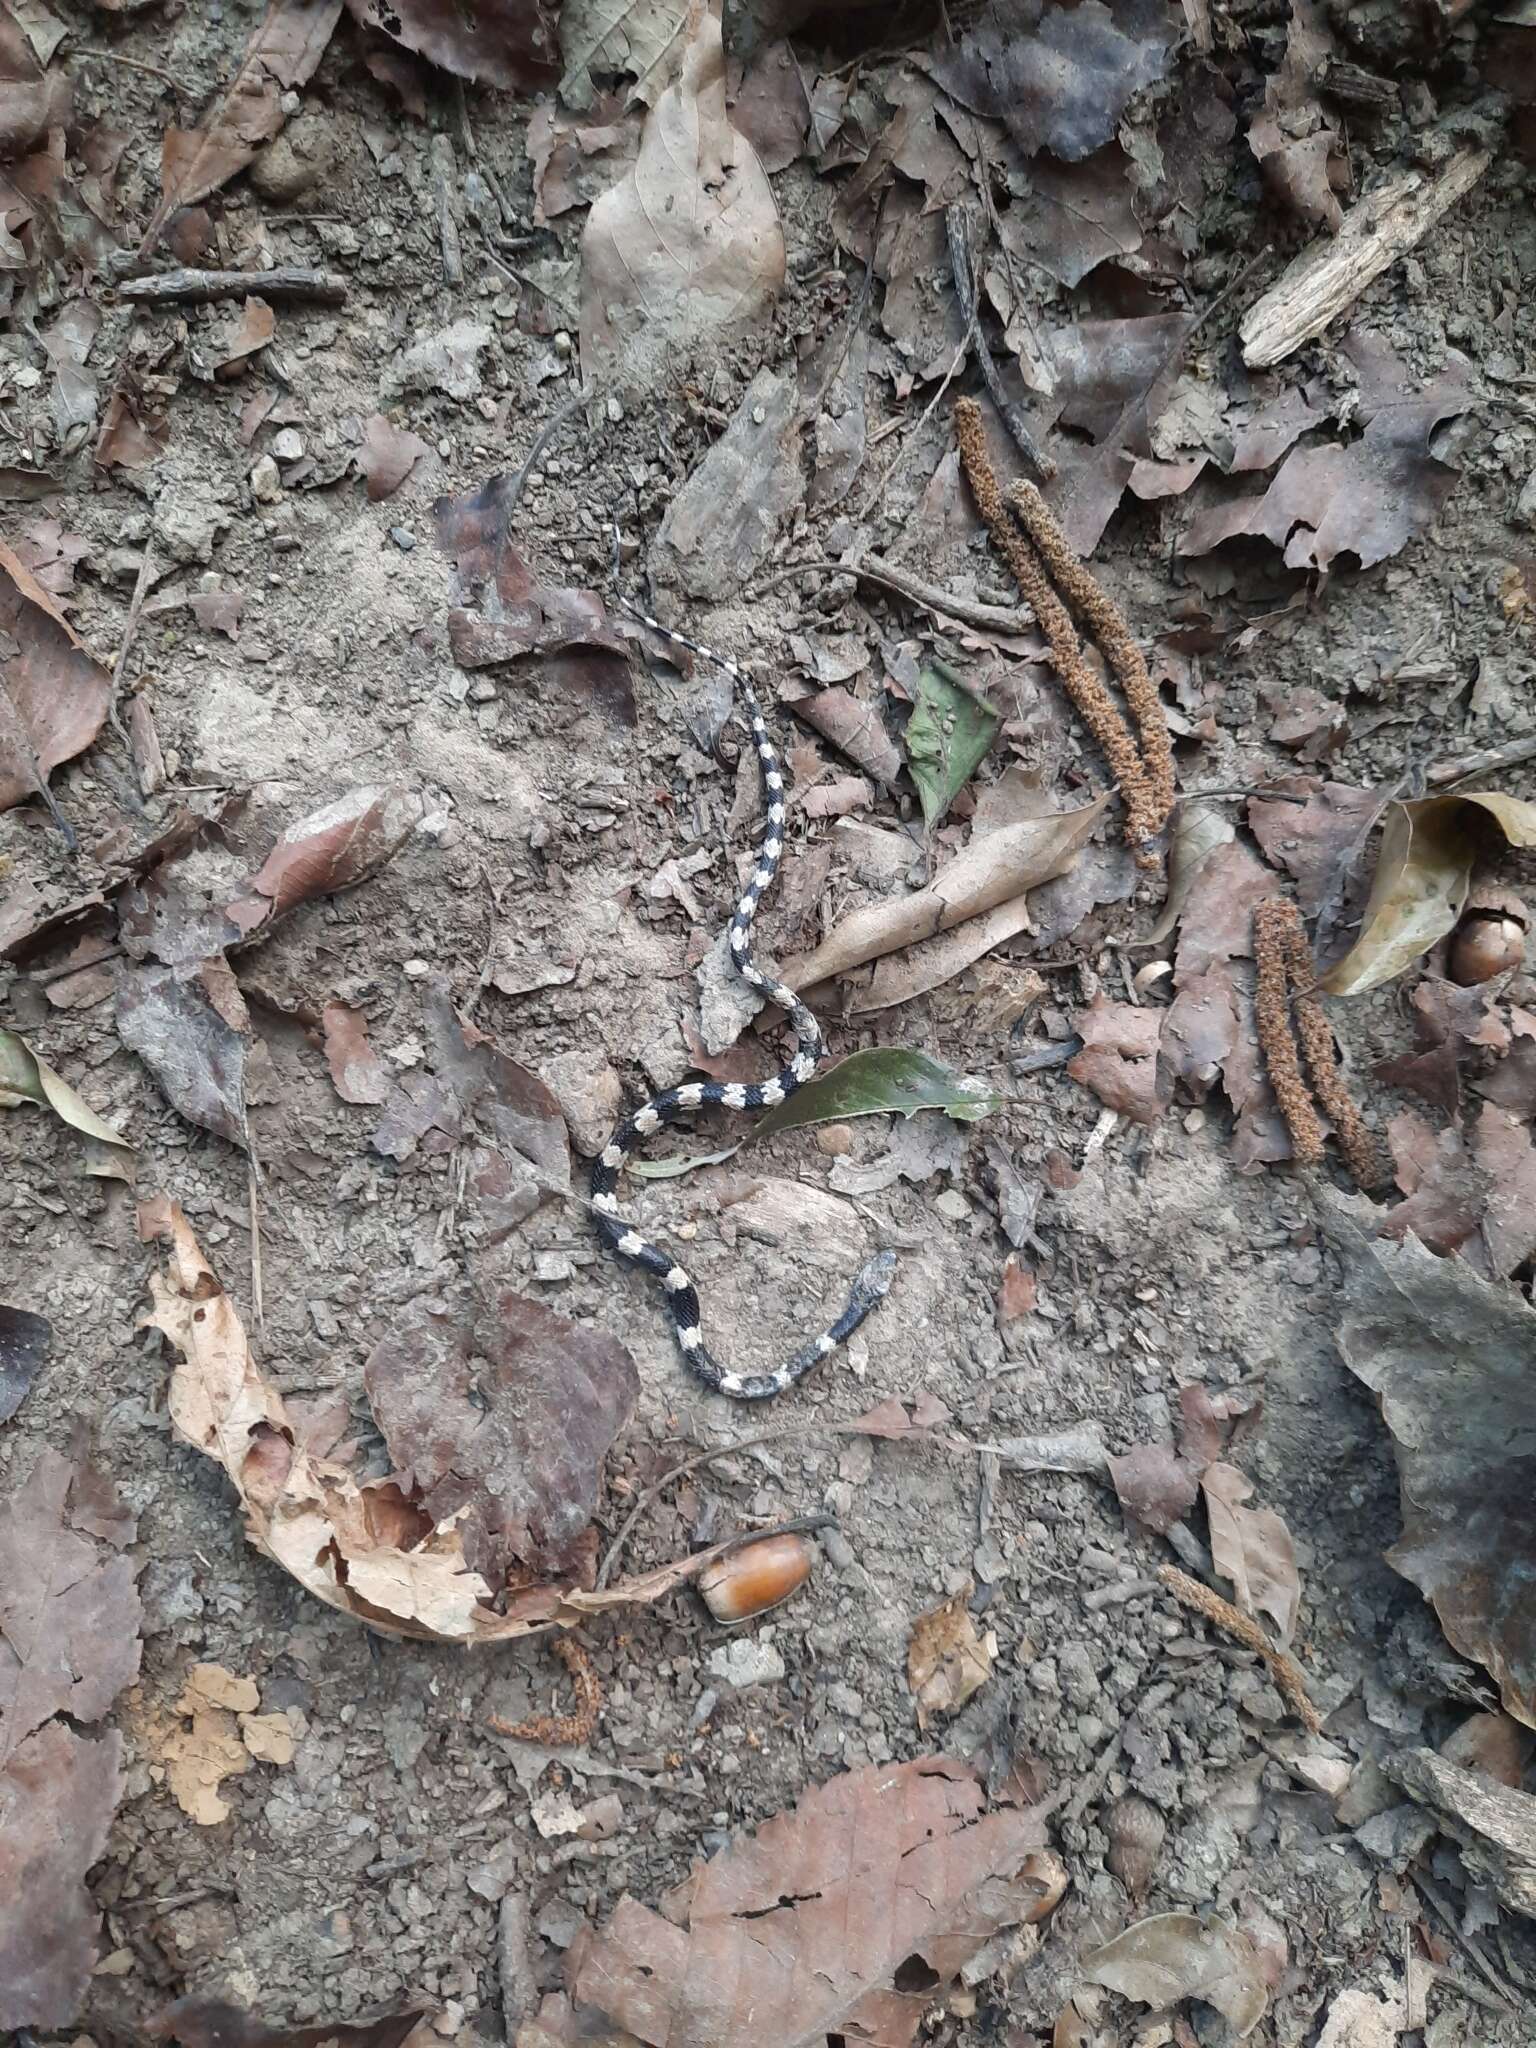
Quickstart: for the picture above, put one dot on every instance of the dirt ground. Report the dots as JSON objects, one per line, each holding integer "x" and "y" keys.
{"x": 367, "y": 1874}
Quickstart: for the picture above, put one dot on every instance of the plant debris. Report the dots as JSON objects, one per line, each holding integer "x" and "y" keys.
{"x": 53, "y": 696}
{"x": 1173, "y": 1956}
{"x": 948, "y": 1659}
{"x": 24, "y": 1342}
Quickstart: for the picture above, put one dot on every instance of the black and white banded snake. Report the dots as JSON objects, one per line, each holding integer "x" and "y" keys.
{"x": 874, "y": 1278}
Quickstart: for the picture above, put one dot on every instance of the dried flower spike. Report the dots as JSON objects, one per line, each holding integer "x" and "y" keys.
{"x": 748, "y": 1581}
{"x": 562, "y": 1731}
{"x": 1286, "y": 976}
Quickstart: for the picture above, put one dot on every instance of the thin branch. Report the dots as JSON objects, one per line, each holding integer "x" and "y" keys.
{"x": 183, "y": 287}
{"x": 989, "y": 618}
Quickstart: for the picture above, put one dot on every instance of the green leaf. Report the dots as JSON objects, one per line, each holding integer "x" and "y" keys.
{"x": 947, "y": 735}
{"x": 26, "y": 1078}
{"x": 1429, "y": 846}
{"x": 885, "y": 1080}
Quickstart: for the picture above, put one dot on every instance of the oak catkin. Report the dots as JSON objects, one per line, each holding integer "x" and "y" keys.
{"x": 562, "y": 1731}
{"x": 1144, "y": 815}
{"x": 1286, "y": 978}
{"x": 1285, "y": 1671}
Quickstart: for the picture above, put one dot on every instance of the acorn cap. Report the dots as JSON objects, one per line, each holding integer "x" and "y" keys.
{"x": 1488, "y": 900}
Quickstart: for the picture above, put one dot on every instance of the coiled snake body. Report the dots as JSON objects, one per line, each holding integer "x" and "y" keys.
{"x": 874, "y": 1279}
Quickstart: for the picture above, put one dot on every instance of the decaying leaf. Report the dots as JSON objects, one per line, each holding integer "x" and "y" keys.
{"x": 635, "y": 39}
{"x": 898, "y": 1417}
{"x": 1155, "y": 1485}
{"x": 358, "y": 1072}
{"x": 210, "y": 2023}
{"x": 33, "y": 98}
{"x": 220, "y": 1735}
{"x": 948, "y": 1659}
{"x": 1121, "y": 1059}
{"x": 1198, "y": 829}
{"x": 501, "y": 613}
{"x": 1495, "y": 1825}
{"x": 498, "y": 1415}
{"x": 369, "y": 1550}
{"x": 511, "y": 44}
{"x": 58, "y": 1793}
{"x": 1452, "y": 1359}
{"x": 281, "y": 55}
{"x": 334, "y": 848}
{"x": 947, "y": 737}
{"x": 1171, "y": 1956}
{"x": 803, "y": 1932}
{"x": 1057, "y": 77}
{"x": 24, "y": 1077}
{"x": 24, "y": 1341}
{"x": 689, "y": 243}
{"x": 193, "y": 1033}
{"x": 387, "y": 456}
{"x": 855, "y": 728}
{"x": 995, "y": 868}
{"x": 53, "y": 696}
{"x": 1252, "y": 1548}
{"x": 1303, "y": 159}
{"x": 1429, "y": 848}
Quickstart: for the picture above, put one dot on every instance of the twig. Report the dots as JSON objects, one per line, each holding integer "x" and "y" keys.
{"x": 926, "y": 414}
{"x": 962, "y": 263}
{"x": 1472, "y": 767}
{"x": 447, "y": 226}
{"x": 201, "y": 287}
{"x": 258, "y": 1304}
{"x": 120, "y": 666}
{"x": 541, "y": 441}
{"x": 75, "y": 967}
{"x": 1447, "y": 1918}
{"x": 1285, "y": 1671}
{"x": 136, "y": 64}
{"x": 1328, "y": 278}
{"x": 855, "y": 318}
{"x": 988, "y": 618}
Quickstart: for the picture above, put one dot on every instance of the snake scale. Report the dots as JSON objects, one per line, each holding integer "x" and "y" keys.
{"x": 874, "y": 1279}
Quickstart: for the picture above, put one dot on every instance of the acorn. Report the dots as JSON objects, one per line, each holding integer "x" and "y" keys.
{"x": 1490, "y": 939}
{"x": 756, "y": 1576}
{"x": 1136, "y": 1830}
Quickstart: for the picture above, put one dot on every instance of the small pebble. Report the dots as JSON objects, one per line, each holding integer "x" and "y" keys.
{"x": 403, "y": 538}
{"x": 953, "y": 1206}
{"x": 836, "y": 1140}
{"x": 288, "y": 444}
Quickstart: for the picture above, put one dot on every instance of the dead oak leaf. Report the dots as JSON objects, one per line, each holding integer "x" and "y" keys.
{"x": 510, "y": 44}
{"x": 1121, "y": 1059}
{"x": 58, "y": 1793}
{"x": 1452, "y": 1359}
{"x": 69, "y": 1617}
{"x": 53, "y": 696}
{"x": 948, "y": 1659}
{"x": 804, "y": 1930}
{"x": 1252, "y": 1547}
{"x": 387, "y": 456}
{"x": 689, "y": 244}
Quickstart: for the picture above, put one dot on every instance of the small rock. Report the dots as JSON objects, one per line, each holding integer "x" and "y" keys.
{"x": 187, "y": 526}
{"x": 266, "y": 484}
{"x": 953, "y": 1206}
{"x": 403, "y": 538}
{"x": 836, "y": 1140}
{"x": 481, "y": 691}
{"x": 1525, "y": 504}
{"x": 287, "y": 168}
{"x": 743, "y": 1662}
{"x": 287, "y": 444}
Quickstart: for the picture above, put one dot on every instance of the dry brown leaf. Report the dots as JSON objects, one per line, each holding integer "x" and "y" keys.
{"x": 1452, "y": 1359}
{"x": 58, "y": 1793}
{"x": 575, "y": 160}
{"x": 689, "y": 244}
{"x": 1155, "y": 1484}
{"x": 191, "y": 1031}
{"x": 1121, "y": 1059}
{"x": 1447, "y": 1189}
{"x": 838, "y": 798}
{"x": 33, "y": 99}
{"x": 511, "y": 44}
{"x": 210, "y": 2023}
{"x": 1445, "y": 1018}
{"x": 1069, "y": 218}
{"x": 948, "y": 1659}
{"x": 802, "y": 1932}
{"x": 1495, "y": 1745}
{"x": 246, "y": 338}
{"x": 1252, "y": 1548}
{"x": 772, "y": 107}
{"x": 218, "y": 611}
{"x": 358, "y": 1072}
{"x": 498, "y": 1415}
{"x": 994, "y": 869}
{"x": 387, "y": 456}
{"x": 334, "y": 848}
{"x": 1173, "y": 1956}
{"x": 855, "y": 729}
{"x": 281, "y": 55}
{"x": 368, "y": 1550}
{"x": 903, "y": 1416}
{"x": 501, "y": 613}
{"x": 224, "y": 1735}
{"x": 1019, "y": 1291}
{"x": 69, "y": 1617}
{"x": 1303, "y": 159}
{"x": 637, "y": 39}
{"x": 53, "y": 696}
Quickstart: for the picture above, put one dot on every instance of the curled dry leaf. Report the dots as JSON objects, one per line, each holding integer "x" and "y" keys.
{"x": 867, "y": 1873}
{"x": 1429, "y": 847}
{"x": 511, "y": 44}
{"x": 387, "y": 456}
{"x": 1452, "y": 1360}
{"x": 689, "y": 243}
{"x": 33, "y": 99}
{"x": 948, "y": 1659}
{"x": 1176, "y": 1955}
{"x": 25, "y": 1077}
{"x": 369, "y": 1550}
{"x": 334, "y": 848}
{"x": 53, "y": 696}
{"x": 993, "y": 870}
{"x": 24, "y": 1342}
{"x": 1252, "y": 1548}
{"x": 855, "y": 729}
{"x": 281, "y": 55}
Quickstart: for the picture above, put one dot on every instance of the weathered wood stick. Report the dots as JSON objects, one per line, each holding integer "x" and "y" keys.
{"x": 201, "y": 287}
{"x": 1328, "y": 277}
